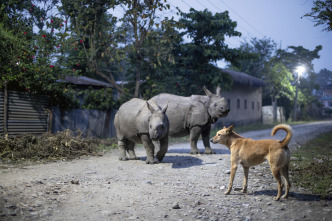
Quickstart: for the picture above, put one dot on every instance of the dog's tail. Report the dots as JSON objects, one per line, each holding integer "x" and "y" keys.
{"x": 286, "y": 128}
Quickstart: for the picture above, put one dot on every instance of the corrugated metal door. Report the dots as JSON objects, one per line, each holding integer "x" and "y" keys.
{"x": 1, "y": 112}
{"x": 26, "y": 113}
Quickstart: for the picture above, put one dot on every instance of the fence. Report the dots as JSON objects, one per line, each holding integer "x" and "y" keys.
{"x": 93, "y": 123}
{"x": 26, "y": 113}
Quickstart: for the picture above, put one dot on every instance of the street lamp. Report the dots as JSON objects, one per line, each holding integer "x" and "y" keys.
{"x": 299, "y": 70}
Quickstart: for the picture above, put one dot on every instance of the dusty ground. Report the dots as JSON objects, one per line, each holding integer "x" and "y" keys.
{"x": 182, "y": 187}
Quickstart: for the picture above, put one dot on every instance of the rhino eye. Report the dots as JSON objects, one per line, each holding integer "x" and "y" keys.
{"x": 215, "y": 104}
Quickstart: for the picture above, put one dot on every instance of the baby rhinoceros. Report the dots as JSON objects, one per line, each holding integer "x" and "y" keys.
{"x": 137, "y": 121}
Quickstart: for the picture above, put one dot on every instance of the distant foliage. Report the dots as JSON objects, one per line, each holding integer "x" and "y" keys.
{"x": 101, "y": 99}
{"x": 321, "y": 12}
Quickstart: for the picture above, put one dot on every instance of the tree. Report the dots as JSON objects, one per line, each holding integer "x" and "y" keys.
{"x": 159, "y": 63}
{"x": 295, "y": 56}
{"x": 261, "y": 51}
{"x": 324, "y": 78}
{"x": 321, "y": 12}
{"x": 194, "y": 60}
{"x": 278, "y": 79}
{"x": 94, "y": 38}
{"x": 140, "y": 17}
{"x": 27, "y": 55}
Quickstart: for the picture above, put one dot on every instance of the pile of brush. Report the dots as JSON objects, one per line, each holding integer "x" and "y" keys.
{"x": 62, "y": 145}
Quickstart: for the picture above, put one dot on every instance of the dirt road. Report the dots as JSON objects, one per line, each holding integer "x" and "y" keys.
{"x": 182, "y": 187}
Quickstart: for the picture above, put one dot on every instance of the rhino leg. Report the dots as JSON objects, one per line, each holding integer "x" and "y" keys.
{"x": 195, "y": 132}
{"x": 206, "y": 140}
{"x": 122, "y": 150}
{"x": 149, "y": 148}
{"x": 163, "y": 148}
{"x": 131, "y": 150}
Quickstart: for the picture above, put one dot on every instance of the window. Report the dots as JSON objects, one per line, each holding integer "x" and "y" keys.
{"x": 238, "y": 103}
{"x": 245, "y": 104}
{"x": 229, "y": 103}
{"x": 258, "y": 106}
{"x": 253, "y": 105}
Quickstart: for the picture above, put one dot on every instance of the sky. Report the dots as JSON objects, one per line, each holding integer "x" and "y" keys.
{"x": 279, "y": 20}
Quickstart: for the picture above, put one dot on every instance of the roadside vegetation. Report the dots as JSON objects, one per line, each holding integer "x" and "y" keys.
{"x": 311, "y": 165}
{"x": 65, "y": 145}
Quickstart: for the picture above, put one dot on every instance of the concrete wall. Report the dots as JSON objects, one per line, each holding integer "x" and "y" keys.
{"x": 267, "y": 113}
{"x": 245, "y": 106}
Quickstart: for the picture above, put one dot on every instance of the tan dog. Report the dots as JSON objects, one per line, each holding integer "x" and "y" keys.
{"x": 249, "y": 152}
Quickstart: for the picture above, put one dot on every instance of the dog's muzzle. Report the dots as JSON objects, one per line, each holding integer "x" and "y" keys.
{"x": 212, "y": 141}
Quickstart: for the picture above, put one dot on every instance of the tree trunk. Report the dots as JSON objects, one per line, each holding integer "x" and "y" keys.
{"x": 274, "y": 107}
{"x": 138, "y": 76}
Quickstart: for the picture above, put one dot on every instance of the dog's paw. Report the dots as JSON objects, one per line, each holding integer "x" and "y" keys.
{"x": 284, "y": 196}
{"x": 227, "y": 192}
{"x": 243, "y": 191}
{"x": 276, "y": 198}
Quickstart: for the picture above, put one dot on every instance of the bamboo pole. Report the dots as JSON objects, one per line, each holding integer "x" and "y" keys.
{"x": 5, "y": 111}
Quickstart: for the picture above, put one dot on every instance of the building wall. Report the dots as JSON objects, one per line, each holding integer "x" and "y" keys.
{"x": 327, "y": 98}
{"x": 245, "y": 105}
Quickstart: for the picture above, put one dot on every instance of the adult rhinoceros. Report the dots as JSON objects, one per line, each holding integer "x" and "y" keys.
{"x": 138, "y": 122}
{"x": 193, "y": 115}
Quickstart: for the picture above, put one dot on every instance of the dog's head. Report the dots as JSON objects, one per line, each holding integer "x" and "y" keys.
{"x": 222, "y": 135}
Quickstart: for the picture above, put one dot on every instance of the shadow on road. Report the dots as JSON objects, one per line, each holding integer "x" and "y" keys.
{"x": 292, "y": 195}
{"x": 217, "y": 151}
{"x": 179, "y": 162}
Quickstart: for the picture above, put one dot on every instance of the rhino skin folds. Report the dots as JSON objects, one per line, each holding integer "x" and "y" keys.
{"x": 137, "y": 121}
{"x": 193, "y": 115}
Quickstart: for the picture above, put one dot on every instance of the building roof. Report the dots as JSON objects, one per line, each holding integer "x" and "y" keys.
{"x": 244, "y": 79}
{"x": 82, "y": 80}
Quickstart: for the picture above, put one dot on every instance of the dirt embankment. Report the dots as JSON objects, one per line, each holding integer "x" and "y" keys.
{"x": 182, "y": 187}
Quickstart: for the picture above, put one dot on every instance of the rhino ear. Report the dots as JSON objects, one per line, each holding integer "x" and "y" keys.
{"x": 150, "y": 107}
{"x": 164, "y": 108}
{"x": 207, "y": 92}
{"x": 218, "y": 91}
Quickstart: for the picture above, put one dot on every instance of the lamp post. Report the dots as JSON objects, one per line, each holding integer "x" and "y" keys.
{"x": 299, "y": 70}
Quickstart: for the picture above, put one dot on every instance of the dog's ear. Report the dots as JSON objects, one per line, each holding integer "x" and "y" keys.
{"x": 224, "y": 127}
{"x": 229, "y": 129}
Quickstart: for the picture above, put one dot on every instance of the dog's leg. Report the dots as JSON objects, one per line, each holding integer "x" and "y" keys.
{"x": 233, "y": 171}
{"x": 284, "y": 173}
{"x": 277, "y": 176}
{"x": 245, "y": 181}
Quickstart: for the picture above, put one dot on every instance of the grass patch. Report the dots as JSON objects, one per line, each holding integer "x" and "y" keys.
{"x": 312, "y": 166}
{"x": 47, "y": 147}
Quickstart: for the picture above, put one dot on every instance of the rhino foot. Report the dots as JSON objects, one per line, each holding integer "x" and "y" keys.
{"x": 209, "y": 151}
{"x": 153, "y": 161}
{"x": 194, "y": 151}
{"x": 133, "y": 158}
{"x": 160, "y": 157}
{"x": 122, "y": 158}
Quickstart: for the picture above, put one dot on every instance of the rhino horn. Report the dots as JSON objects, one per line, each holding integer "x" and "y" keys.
{"x": 207, "y": 92}
{"x": 150, "y": 107}
{"x": 164, "y": 108}
{"x": 218, "y": 90}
